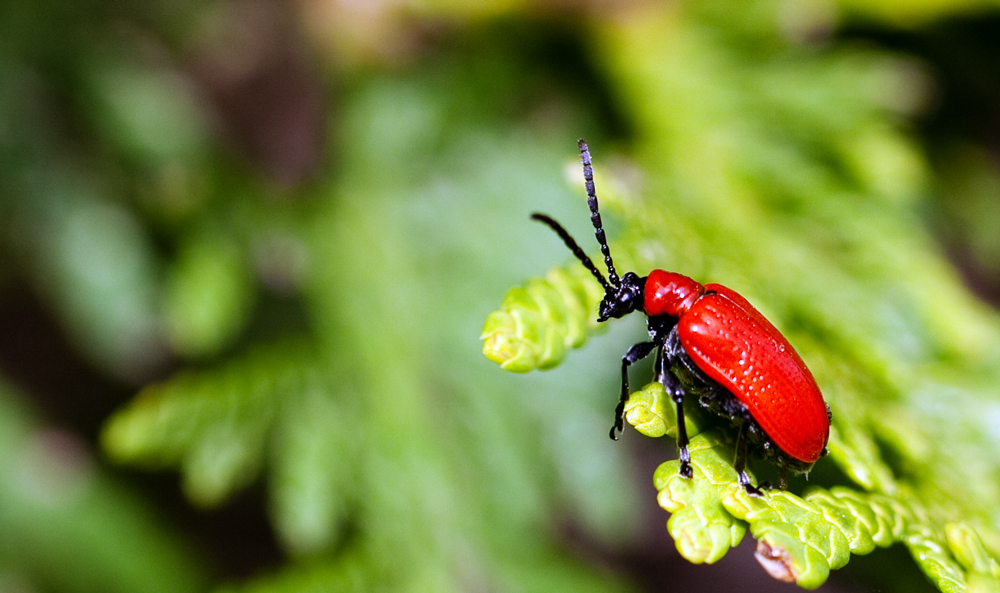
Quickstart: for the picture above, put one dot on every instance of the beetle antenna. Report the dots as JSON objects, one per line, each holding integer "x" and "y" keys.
{"x": 595, "y": 214}
{"x": 571, "y": 243}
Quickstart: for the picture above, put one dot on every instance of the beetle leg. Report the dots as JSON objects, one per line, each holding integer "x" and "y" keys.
{"x": 676, "y": 392}
{"x": 659, "y": 367}
{"x": 671, "y": 350}
{"x": 741, "y": 461}
{"x": 634, "y": 354}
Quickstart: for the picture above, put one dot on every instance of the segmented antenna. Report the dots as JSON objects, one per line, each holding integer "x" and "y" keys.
{"x": 595, "y": 214}
{"x": 571, "y": 243}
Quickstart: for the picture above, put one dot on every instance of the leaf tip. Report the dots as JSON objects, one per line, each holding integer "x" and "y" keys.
{"x": 537, "y": 322}
{"x": 776, "y": 561}
{"x": 649, "y": 411}
{"x": 501, "y": 345}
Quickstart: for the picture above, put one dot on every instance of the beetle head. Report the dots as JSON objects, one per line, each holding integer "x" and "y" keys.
{"x": 622, "y": 299}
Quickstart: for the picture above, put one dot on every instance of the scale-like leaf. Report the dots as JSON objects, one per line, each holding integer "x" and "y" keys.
{"x": 220, "y": 427}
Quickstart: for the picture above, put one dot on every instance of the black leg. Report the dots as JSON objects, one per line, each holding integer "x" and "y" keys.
{"x": 659, "y": 367}
{"x": 676, "y": 392}
{"x": 670, "y": 354}
{"x": 682, "y": 442}
{"x": 634, "y": 354}
{"x": 782, "y": 477}
{"x": 741, "y": 461}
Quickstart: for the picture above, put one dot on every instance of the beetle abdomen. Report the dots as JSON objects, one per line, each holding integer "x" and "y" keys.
{"x": 736, "y": 346}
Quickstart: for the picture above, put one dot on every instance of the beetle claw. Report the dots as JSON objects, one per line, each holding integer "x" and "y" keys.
{"x": 756, "y": 491}
{"x": 619, "y": 426}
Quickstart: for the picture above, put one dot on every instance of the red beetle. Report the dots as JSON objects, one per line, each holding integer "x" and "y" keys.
{"x": 713, "y": 344}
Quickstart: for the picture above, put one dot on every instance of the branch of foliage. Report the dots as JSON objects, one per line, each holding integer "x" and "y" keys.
{"x": 222, "y": 426}
{"x": 800, "y": 539}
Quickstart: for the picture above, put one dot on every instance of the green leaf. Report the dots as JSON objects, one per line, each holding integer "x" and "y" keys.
{"x": 537, "y": 323}
{"x": 700, "y": 525}
{"x": 209, "y": 293}
{"x": 800, "y": 539}
{"x": 221, "y": 427}
{"x": 98, "y": 269}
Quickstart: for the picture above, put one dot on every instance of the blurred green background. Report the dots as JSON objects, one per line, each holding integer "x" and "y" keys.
{"x": 247, "y": 248}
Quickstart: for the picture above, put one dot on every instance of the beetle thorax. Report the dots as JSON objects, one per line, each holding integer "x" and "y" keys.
{"x": 670, "y": 293}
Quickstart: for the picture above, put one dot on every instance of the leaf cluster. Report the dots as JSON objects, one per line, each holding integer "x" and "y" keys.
{"x": 799, "y": 188}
